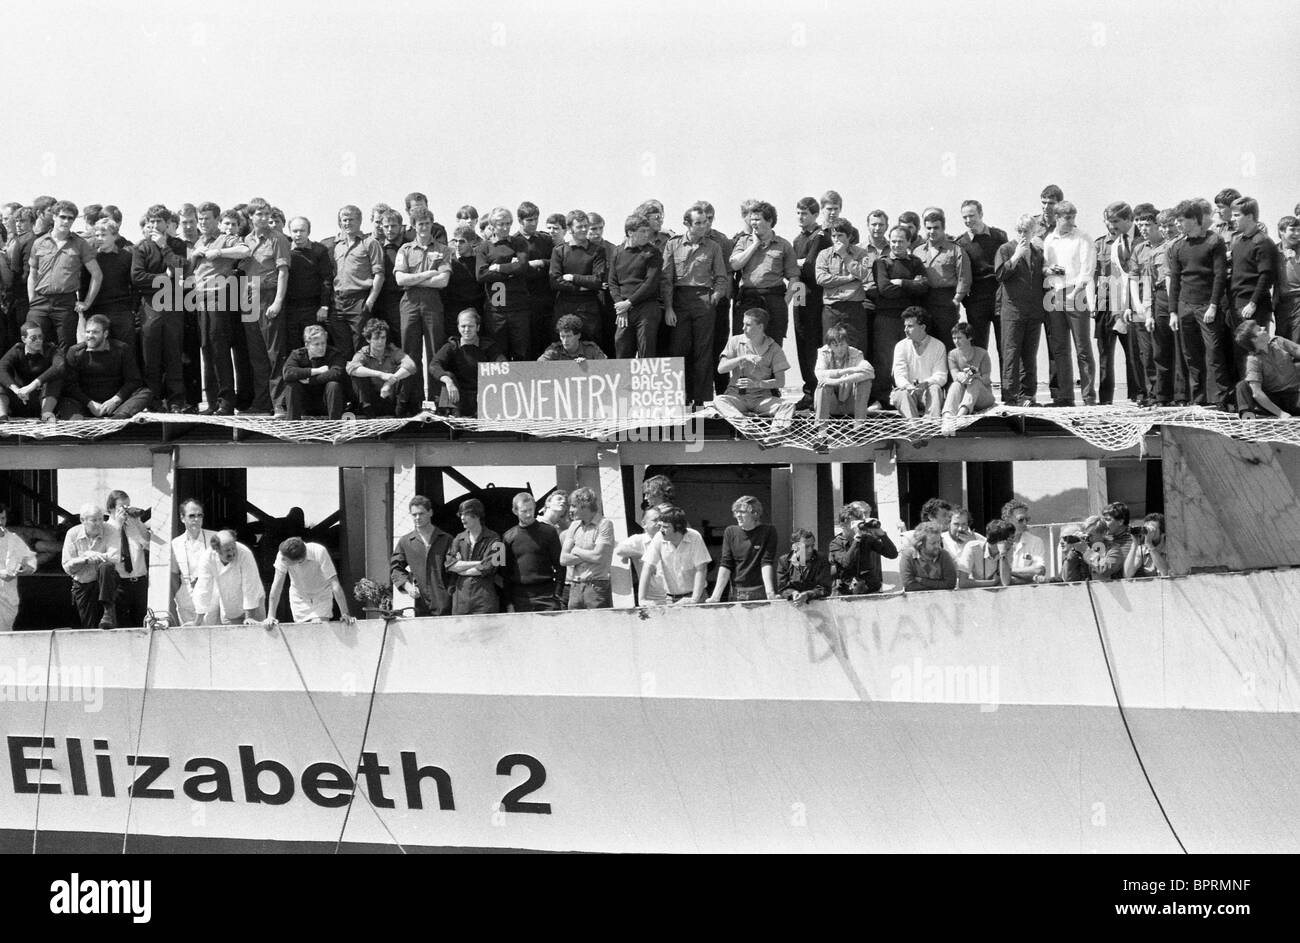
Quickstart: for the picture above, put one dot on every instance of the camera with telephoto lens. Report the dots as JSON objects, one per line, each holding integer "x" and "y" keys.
{"x": 1139, "y": 531}
{"x": 870, "y": 523}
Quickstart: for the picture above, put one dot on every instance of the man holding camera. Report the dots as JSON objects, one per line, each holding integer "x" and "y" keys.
{"x": 132, "y": 595}
{"x": 1146, "y": 553}
{"x": 856, "y": 551}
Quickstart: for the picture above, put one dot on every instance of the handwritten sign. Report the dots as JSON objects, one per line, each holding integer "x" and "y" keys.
{"x": 644, "y": 390}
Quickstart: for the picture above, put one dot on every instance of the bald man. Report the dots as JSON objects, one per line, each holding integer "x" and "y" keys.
{"x": 90, "y": 554}
{"x": 229, "y": 588}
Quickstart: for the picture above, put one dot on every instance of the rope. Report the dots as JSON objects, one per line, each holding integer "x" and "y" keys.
{"x": 139, "y": 732}
{"x": 365, "y": 734}
{"x": 1109, "y": 428}
{"x": 330, "y": 736}
{"x": 45, "y": 717}
{"x": 1123, "y": 715}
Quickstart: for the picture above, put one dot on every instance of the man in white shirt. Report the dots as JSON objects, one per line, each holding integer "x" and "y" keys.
{"x": 16, "y": 559}
{"x": 188, "y": 551}
{"x": 1028, "y": 551}
{"x": 986, "y": 561}
{"x": 228, "y": 588}
{"x": 1069, "y": 261}
{"x": 677, "y": 555}
{"x": 920, "y": 368}
{"x": 313, "y": 584}
{"x": 633, "y": 550}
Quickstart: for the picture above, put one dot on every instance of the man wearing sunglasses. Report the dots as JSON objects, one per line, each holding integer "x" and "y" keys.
{"x": 54, "y": 278}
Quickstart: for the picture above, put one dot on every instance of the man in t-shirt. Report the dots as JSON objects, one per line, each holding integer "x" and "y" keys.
{"x": 1272, "y": 378}
{"x": 588, "y": 547}
{"x": 748, "y": 561}
{"x": 677, "y": 556}
{"x": 757, "y": 366}
{"x": 313, "y": 584}
{"x": 533, "y": 571}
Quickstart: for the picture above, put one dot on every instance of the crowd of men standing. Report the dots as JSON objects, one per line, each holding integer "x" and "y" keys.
{"x": 242, "y": 310}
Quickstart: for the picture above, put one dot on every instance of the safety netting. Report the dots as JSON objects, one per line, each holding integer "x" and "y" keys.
{"x": 1108, "y": 428}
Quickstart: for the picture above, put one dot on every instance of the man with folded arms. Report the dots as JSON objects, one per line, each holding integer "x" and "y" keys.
{"x": 502, "y": 264}
{"x": 588, "y": 547}
{"x": 422, "y": 269}
{"x": 314, "y": 377}
{"x": 578, "y": 270}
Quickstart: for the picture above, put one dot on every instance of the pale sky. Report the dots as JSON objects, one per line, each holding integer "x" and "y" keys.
{"x": 601, "y": 105}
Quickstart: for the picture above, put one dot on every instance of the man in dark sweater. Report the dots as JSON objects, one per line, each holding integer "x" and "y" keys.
{"x": 578, "y": 270}
{"x": 533, "y": 571}
{"x": 315, "y": 377}
{"x": 31, "y": 376}
{"x": 1252, "y": 272}
{"x": 1198, "y": 273}
{"x": 809, "y": 242}
{"x": 856, "y": 551}
{"x": 101, "y": 377}
{"x": 501, "y": 263}
{"x": 982, "y": 242}
{"x": 117, "y": 299}
{"x": 1018, "y": 269}
{"x": 157, "y": 272}
{"x": 634, "y": 272}
{"x": 455, "y": 365}
{"x": 541, "y": 300}
{"x": 311, "y": 281}
{"x": 463, "y": 290}
{"x": 748, "y": 559}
